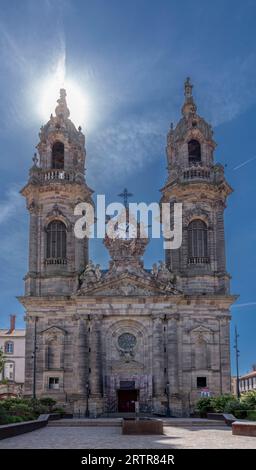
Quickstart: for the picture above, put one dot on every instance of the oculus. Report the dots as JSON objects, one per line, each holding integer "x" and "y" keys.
{"x": 127, "y": 341}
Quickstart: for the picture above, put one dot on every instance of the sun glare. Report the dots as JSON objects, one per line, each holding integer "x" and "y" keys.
{"x": 77, "y": 102}
{"x": 49, "y": 91}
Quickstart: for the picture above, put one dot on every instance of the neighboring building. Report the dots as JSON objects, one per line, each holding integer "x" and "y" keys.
{"x": 108, "y": 339}
{"x": 247, "y": 382}
{"x": 12, "y": 342}
{"x": 233, "y": 385}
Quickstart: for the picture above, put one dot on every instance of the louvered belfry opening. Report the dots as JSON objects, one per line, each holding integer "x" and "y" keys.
{"x": 197, "y": 241}
{"x": 56, "y": 240}
{"x": 58, "y": 156}
{"x": 194, "y": 151}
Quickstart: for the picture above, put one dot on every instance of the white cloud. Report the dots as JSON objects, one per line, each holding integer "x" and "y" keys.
{"x": 11, "y": 205}
{"x": 122, "y": 148}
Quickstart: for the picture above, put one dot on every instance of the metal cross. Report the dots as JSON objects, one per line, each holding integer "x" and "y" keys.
{"x": 125, "y": 194}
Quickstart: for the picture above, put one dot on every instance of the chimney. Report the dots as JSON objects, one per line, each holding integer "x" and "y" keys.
{"x": 12, "y": 324}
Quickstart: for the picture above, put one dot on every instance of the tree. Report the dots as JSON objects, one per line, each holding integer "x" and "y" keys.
{"x": 2, "y": 360}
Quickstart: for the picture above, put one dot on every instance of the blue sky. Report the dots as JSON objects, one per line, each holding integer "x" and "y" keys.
{"x": 131, "y": 58}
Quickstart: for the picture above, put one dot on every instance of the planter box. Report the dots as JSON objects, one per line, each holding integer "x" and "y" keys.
{"x": 142, "y": 426}
{"x": 244, "y": 428}
{"x": 10, "y": 430}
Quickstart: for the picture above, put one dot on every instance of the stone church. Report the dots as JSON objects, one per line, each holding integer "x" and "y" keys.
{"x": 126, "y": 338}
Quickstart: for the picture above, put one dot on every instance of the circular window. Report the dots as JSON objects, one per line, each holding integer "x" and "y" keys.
{"x": 127, "y": 341}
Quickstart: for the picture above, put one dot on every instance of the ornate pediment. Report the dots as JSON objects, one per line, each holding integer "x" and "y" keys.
{"x": 201, "y": 334}
{"x": 126, "y": 276}
{"x": 53, "y": 330}
{"x": 127, "y": 284}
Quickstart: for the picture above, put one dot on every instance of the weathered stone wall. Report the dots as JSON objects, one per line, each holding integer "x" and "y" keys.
{"x": 176, "y": 341}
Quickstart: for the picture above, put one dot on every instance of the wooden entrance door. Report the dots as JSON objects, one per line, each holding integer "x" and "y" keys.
{"x": 126, "y": 400}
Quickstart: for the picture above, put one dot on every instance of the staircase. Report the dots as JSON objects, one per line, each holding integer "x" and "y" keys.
{"x": 116, "y": 421}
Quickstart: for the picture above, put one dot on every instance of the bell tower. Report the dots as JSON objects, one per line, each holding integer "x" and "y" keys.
{"x": 196, "y": 181}
{"x": 56, "y": 184}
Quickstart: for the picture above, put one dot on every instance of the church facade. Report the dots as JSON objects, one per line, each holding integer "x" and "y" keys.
{"x": 126, "y": 338}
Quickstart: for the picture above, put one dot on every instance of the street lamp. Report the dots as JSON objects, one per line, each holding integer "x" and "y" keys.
{"x": 168, "y": 411}
{"x": 237, "y": 366}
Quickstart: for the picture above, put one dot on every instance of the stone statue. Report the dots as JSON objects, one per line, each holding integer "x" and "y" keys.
{"x": 90, "y": 275}
{"x": 163, "y": 272}
{"x": 154, "y": 270}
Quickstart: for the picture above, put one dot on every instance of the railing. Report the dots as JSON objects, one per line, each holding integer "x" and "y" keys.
{"x": 50, "y": 175}
{"x": 198, "y": 260}
{"x": 196, "y": 172}
{"x": 61, "y": 261}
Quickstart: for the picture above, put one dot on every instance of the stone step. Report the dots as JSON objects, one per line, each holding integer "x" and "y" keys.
{"x": 86, "y": 422}
{"x": 117, "y": 422}
{"x": 186, "y": 423}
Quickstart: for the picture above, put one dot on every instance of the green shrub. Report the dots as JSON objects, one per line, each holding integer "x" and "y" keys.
{"x": 37, "y": 407}
{"x": 251, "y": 415}
{"x": 221, "y": 402}
{"x": 3, "y": 414}
{"x": 23, "y": 410}
{"x": 249, "y": 399}
{"x": 233, "y": 406}
{"x": 204, "y": 406}
{"x": 58, "y": 410}
{"x": 8, "y": 403}
{"x": 240, "y": 414}
{"x": 48, "y": 401}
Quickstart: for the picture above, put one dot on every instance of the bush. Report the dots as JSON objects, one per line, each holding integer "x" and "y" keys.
{"x": 233, "y": 406}
{"x": 58, "y": 410}
{"x": 204, "y": 406}
{"x": 37, "y": 407}
{"x": 251, "y": 415}
{"x": 22, "y": 410}
{"x": 240, "y": 414}
{"x": 3, "y": 415}
{"x": 221, "y": 402}
{"x": 14, "y": 419}
{"x": 9, "y": 403}
{"x": 49, "y": 402}
{"x": 249, "y": 399}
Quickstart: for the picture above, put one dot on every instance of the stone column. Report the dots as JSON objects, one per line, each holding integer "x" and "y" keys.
{"x": 220, "y": 238}
{"x": 225, "y": 385}
{"x": 29, "y": 349}
{"x": 158, "y": 356}
{"x": 172, "y": 354}
{"x": 173, "y": 366}
{"x": 33, "y": 238}
{"x": 80, "y": 354}
{"x": 95, "y": 357}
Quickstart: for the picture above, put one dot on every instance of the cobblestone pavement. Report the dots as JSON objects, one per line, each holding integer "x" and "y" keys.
{"x": 111, "y": 437}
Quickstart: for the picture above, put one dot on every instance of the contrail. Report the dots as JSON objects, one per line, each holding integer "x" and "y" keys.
{"x": 248, "y": 304}
{"x": 244, "y": 163}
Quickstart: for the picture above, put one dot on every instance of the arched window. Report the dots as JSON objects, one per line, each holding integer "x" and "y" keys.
{"x": 9, "y": 347}
{"x": 58, "y": 155}
{"x": 197, "y": 242}
{"x": 194, "y": 151}
{"x": 56, "y": 243}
